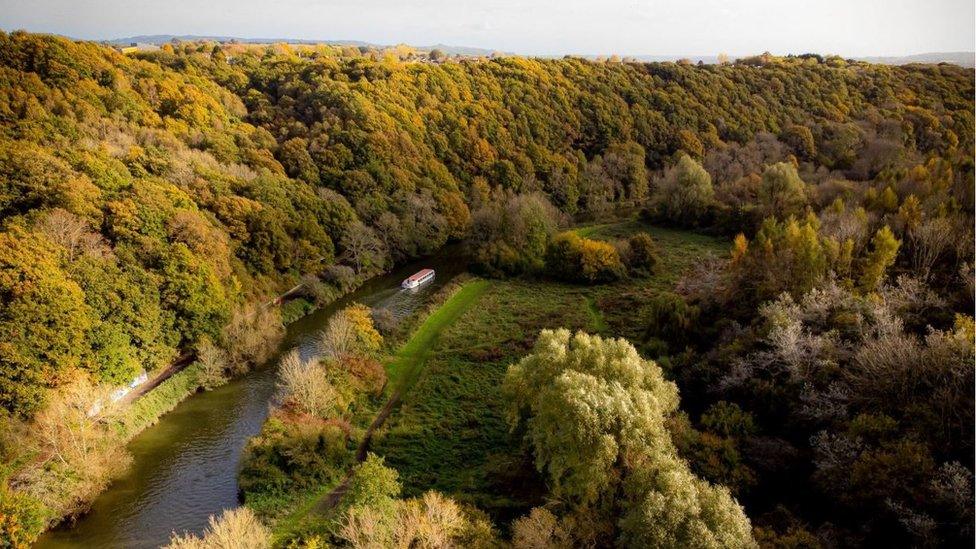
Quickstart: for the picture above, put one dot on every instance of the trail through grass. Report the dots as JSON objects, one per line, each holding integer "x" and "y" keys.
{"x": 403, "y": 370}
{"x": 409, "y": 360}
{"x": 598, "y": 324}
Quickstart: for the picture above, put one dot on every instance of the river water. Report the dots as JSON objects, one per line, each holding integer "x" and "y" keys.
{"x": 185, "y": 467}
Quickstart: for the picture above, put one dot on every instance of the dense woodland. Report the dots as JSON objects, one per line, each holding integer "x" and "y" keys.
{"x": 825, "y": 366}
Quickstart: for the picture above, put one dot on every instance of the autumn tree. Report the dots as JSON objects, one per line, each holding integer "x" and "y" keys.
{"x": 573, "y": 257}
{"x": 239, "y": 528}
{"x": 884, "y": 250}
{"x": 43, "y": 322}
{"x": 304, "y": 386}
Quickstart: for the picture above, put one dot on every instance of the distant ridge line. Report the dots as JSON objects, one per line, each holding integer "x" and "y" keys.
{"x": 961, "y": 58}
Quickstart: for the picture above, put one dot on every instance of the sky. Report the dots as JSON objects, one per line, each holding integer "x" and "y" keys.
{"x": 540, "y": 27}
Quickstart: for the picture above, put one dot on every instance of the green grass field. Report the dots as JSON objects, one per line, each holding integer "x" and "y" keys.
{"x": 449, "y": 433}
{"x": 409, "y": 360}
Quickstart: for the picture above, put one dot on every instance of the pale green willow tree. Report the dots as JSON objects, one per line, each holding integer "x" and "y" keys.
{"x": 594, "y": 413}
{"x": 781, "y": 191}
{"x": 684, "y": 195}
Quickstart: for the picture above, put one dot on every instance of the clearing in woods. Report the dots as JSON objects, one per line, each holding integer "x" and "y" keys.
{"x": 449, "y": 433}
{"x": 445, "y": 425}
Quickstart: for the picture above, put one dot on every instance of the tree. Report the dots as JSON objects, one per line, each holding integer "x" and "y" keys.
{"x": 511, "y": 235}
{"x": 339, "y": 337}
{"x": 362, "y": 247}
{"x": 592, "y": 405}
{"x": 372, "y": 484}
{"x": 72, "y": 233}
{"x": 782, "y": 193}
{"x": 213, "y": 364}
{"x": 368, "y": 340}
{"x": 540, "y": 529}
{"x": 194, "y": 293}
{"x": 685, "y": 193}
{"x": 294, "y": 156}
{"x": 624, "y": 162}
{"x": 250, "y": 337}
{"x": 304, "y": 386}
{"x": 800, "y": 138}
{"x": 43, "y": 321}
{"x": 78, "y": 454}
{"x": 572, "y": 257}
{"x": 789, "y": 256}
{"x": 884, "y": 250}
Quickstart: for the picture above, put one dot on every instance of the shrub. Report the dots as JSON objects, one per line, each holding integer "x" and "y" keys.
{"x": 642, "y": 253}
{"x": 572, "y": 257}
{"x": 22, "y": 518}
{"x": 384, "y": 321}
{"x": 295, "y": 309}
{"x": 367, "y": 374}
{"x": 235, "y": 529}
{"x": 304, "y": 386}
{"x": 292, "y": 451}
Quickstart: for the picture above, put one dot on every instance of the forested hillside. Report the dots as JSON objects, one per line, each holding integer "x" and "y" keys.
{"x": 146, "y": 202}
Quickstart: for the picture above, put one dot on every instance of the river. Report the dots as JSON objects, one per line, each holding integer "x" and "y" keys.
{"x": 185, "y": 467}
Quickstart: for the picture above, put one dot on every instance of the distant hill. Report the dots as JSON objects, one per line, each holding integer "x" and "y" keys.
{"x": 159, "y": 39}
{"x": 961, "y": 58}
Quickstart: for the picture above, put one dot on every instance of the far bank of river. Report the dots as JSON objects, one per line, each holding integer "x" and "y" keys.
{"x": 185, "y": 467}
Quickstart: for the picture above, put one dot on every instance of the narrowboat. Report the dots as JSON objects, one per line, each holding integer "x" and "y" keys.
{"x": 420, "y": 277}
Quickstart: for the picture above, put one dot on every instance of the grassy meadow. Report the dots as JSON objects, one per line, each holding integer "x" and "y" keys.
{"x": 449, "y": 433}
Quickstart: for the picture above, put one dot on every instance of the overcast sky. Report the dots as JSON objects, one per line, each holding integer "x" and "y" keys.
{"x": 539, "y": 27}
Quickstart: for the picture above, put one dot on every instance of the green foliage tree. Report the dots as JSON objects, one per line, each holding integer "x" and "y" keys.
{"x": 782, "y": 193}
{"x": 685, "y": 193}
{"x": 884, "y": 250}
{"x": 511, "y": 235}
{"x": 43, "y": 321}
{"x": 596, "y": 417}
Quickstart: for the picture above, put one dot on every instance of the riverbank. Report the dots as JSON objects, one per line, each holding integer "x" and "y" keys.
{"x": 63, "y": 490}
{"x": 184, "y": 468}
{"x": 293, "y": 509}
